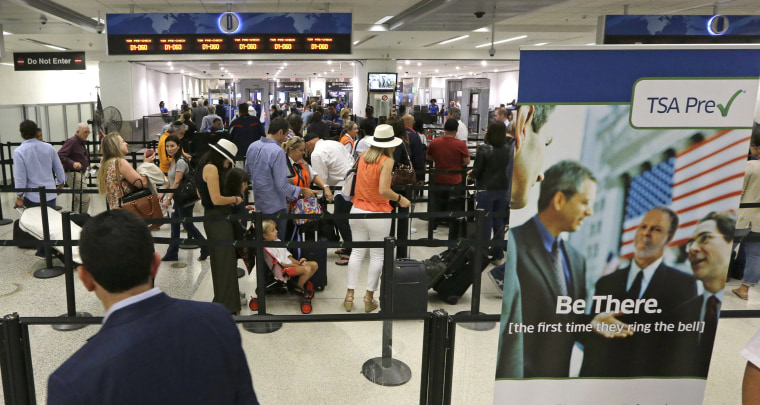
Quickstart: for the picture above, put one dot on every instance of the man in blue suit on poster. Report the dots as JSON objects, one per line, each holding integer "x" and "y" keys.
{"x": 151, "y": 349}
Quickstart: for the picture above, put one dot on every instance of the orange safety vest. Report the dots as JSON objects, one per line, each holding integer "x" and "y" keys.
{"x": 301, "y": 178}
{"x": 346, "y": 139}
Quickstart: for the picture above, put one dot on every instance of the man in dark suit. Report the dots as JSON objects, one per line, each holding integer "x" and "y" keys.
{"x": 548, "y": 268}
{"x": 647, "y": 276}
{"x": 151, "y": 349}
{"x": 709, "y": 255}
{"x": 529, "y": 160}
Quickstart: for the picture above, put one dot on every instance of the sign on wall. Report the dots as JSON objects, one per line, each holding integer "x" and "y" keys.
{"x": 27, "y": 61}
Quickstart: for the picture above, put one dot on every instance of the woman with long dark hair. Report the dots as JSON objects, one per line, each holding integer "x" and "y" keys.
{"x": 490, "y": 173}
{"x": 208, "y": 180}
{"x": 180, "y": 167}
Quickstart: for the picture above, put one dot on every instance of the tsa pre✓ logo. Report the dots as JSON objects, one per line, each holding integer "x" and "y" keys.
{"x": 693, "y": 103}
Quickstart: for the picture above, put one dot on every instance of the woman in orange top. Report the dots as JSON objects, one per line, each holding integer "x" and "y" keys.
{"x": 301, "y": 173}
{"x": 373, "y": 193}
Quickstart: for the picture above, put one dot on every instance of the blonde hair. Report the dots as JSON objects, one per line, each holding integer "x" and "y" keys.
{"x": 111, "y": 149}
{"x": 267, "y": 225}
{"x": 291, "y": 143}
{"x": 373, "y": 154}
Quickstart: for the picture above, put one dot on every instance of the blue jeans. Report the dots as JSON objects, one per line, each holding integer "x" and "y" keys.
{"x": 192, "y": 231}
{"x": 30, "y": 204}
{"x": 494, "y": 202}
{"x": 751, "y": 244}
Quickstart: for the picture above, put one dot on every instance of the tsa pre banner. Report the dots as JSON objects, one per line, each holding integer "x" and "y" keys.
{"x": 621, "y": 228}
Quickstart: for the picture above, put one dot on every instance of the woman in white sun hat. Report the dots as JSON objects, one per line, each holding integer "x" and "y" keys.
{"x": 212, "y": 167}
{"x": 373, "y": 195}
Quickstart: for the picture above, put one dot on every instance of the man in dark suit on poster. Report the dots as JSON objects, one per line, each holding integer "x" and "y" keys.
{"x": 646, "y": 277}
{"x": 688, "y": 355}
{"x": 151, "y": 349}
{"x": 548, "y": 267}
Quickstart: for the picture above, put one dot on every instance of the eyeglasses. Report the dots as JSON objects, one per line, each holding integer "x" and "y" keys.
{"x": 701, "y": 240}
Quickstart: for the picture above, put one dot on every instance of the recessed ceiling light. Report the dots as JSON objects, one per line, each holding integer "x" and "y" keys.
{"x": 284, "y": 63}
{"x": 329, "y": 62}
{"x": 541, "y": 43}
{"x": 483, "y": 63}
{"x": 407, "y": 62}
{"x": 352, "y": 63}
{"x": 495, "y": 70}
{"x": 169, "y": 63}
{"x": 503, "y": 41}
{"x": 399, "y": 68}
{"x": 384, "y": 19}
{"x": 332, "y": 70}
{"x": 171, "y": 67}
{"x": 457, "y": 67}
{"x": 250, "y": 62}
{"x": 182, "y": 71}
{"x": 453, "y": 39}
{"x": 419, "y": 63}
{"x": 325, "y": 72}
{"x": 356, "y": 42}
{"x": 7, "y": 33}
{"x": 484, "y": 29}
{"x": 436, "y": 71}
{"x": 419, "y": 73}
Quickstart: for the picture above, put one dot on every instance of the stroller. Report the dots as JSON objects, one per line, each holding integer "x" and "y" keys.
{"x": 281, "y": 280}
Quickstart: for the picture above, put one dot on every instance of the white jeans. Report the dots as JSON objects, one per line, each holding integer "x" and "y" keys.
{"x": 364, "y": 230}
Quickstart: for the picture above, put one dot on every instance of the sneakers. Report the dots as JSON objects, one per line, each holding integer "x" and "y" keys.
{"x": 495, "y": 278}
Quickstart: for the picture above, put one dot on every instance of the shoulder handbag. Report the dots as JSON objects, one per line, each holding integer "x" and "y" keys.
{"x": 142, "y": 202}
{"x": 186, "y": 193}
{"x": 349, "y": 182}
{"x": 403, "y": 174}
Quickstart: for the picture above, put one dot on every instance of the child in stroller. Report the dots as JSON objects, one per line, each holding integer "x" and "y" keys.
{"x": 302, "y": 269}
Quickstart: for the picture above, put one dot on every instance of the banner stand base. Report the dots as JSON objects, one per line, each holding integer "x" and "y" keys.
{"x": 262, "y": 327}
{"x": 45, "y": 272}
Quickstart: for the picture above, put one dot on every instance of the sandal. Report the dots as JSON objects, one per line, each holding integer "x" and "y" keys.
{"x": 370, "y": 304}
{"x": 305, "y": 292}
{"x": 341, "y": 252}
{"x": 736, "y": 292}
{"x": 348, "y": 303}
{"x": 342, "y": 261}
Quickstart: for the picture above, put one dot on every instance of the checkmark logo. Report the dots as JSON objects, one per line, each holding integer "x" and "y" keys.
{"x": 724, "y": 110}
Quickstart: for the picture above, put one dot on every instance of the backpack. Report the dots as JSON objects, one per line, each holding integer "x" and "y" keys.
{"x": 186, "y": 193}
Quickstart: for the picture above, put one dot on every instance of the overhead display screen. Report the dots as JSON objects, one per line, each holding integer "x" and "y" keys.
{"x": 230, "y": 33}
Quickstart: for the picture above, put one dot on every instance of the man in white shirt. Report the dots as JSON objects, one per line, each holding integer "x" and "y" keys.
{"x": 501, "y": 115}
{"x": 332, "y": 161}
{"x": 462, "y": 131}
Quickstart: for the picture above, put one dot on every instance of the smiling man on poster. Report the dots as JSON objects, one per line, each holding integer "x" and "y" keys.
{"x": 646, "y": 277}
{"x": 548, "y": 267}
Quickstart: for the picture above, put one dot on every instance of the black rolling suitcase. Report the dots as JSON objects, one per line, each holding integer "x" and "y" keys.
{"x": 458, "y": 277}
{"x": 317, "y": 254}
{"x": 410, "y": 285}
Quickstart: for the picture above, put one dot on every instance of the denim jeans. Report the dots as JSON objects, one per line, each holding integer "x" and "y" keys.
{"x": 494, "y": 202}
{"x": 192, "y": 231}
{"x": 751, "y": 244}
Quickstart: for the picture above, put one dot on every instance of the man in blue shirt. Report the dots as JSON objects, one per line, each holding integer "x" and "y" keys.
{"x": 266, "y": 162}
{"x": 34, "y": 163}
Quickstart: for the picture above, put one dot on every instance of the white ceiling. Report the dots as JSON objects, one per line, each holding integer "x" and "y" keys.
{"x": 571, "y": 22}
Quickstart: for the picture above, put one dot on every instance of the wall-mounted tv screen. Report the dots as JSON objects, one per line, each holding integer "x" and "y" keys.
{"x": 382, "y": 81}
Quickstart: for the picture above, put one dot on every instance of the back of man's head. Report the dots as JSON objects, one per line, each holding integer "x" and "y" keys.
{"x": 451, "y": 125}
{"x": 567, "y": 177}
{"x": 117, "y": 250}
{"x": 502, "y": 113}
{"x": 243, "y": 108}
{"x": 205, "y": 102}
{"x": 455, "y": 113}
{"x": 316, "y": 117}
{"x": 211, "y": 109}
{"x": 28, "y": 129}
{"x": 278, "y": 124}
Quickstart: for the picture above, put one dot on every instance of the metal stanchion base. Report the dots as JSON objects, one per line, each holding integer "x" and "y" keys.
{"x": 240, "y": 272}
{"x": 6, "y": 221}
{"x": 397, "y": 372}
{"x": 63, "y": 327}
{"x": 51, "y": 272}
{"x": 479, "y": 326}
{"x": 178, "y": 265}
{"x": 262, "y": 327}
{"x": 188, "y": 246}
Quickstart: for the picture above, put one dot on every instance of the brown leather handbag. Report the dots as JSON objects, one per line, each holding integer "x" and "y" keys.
{"x": 403, "y": 175}
{"x": 142, "y": 202}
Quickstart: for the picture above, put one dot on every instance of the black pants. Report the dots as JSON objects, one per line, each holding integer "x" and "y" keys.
{"x": 343, "y": 207}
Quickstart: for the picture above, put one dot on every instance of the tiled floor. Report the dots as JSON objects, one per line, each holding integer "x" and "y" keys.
{"x": 319, "y": 363}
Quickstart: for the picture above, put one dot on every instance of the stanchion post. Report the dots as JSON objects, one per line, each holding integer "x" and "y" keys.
{"x": 15, "y": 363}
{"x": 10, "y": 153}
{"x": 49, "y": 271}
{"x": 477, "y": 265}
{"x": 431, "y": 208}
{"x": 71, "y": 306}
{"x": 261, "y": 282}
{"x": 437, "y": 359}
{"x": 3, "y": 221}
{"x": 402, "y": 232}
{"x": 386, "y": 370}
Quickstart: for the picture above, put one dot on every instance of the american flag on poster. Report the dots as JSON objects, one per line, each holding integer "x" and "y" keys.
{"x": 705, "y": 177}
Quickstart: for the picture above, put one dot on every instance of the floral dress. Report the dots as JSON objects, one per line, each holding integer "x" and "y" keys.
{"x": 117, "y": 185}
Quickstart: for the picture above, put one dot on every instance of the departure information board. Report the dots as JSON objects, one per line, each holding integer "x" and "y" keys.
{"x": 229, "y": 33}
